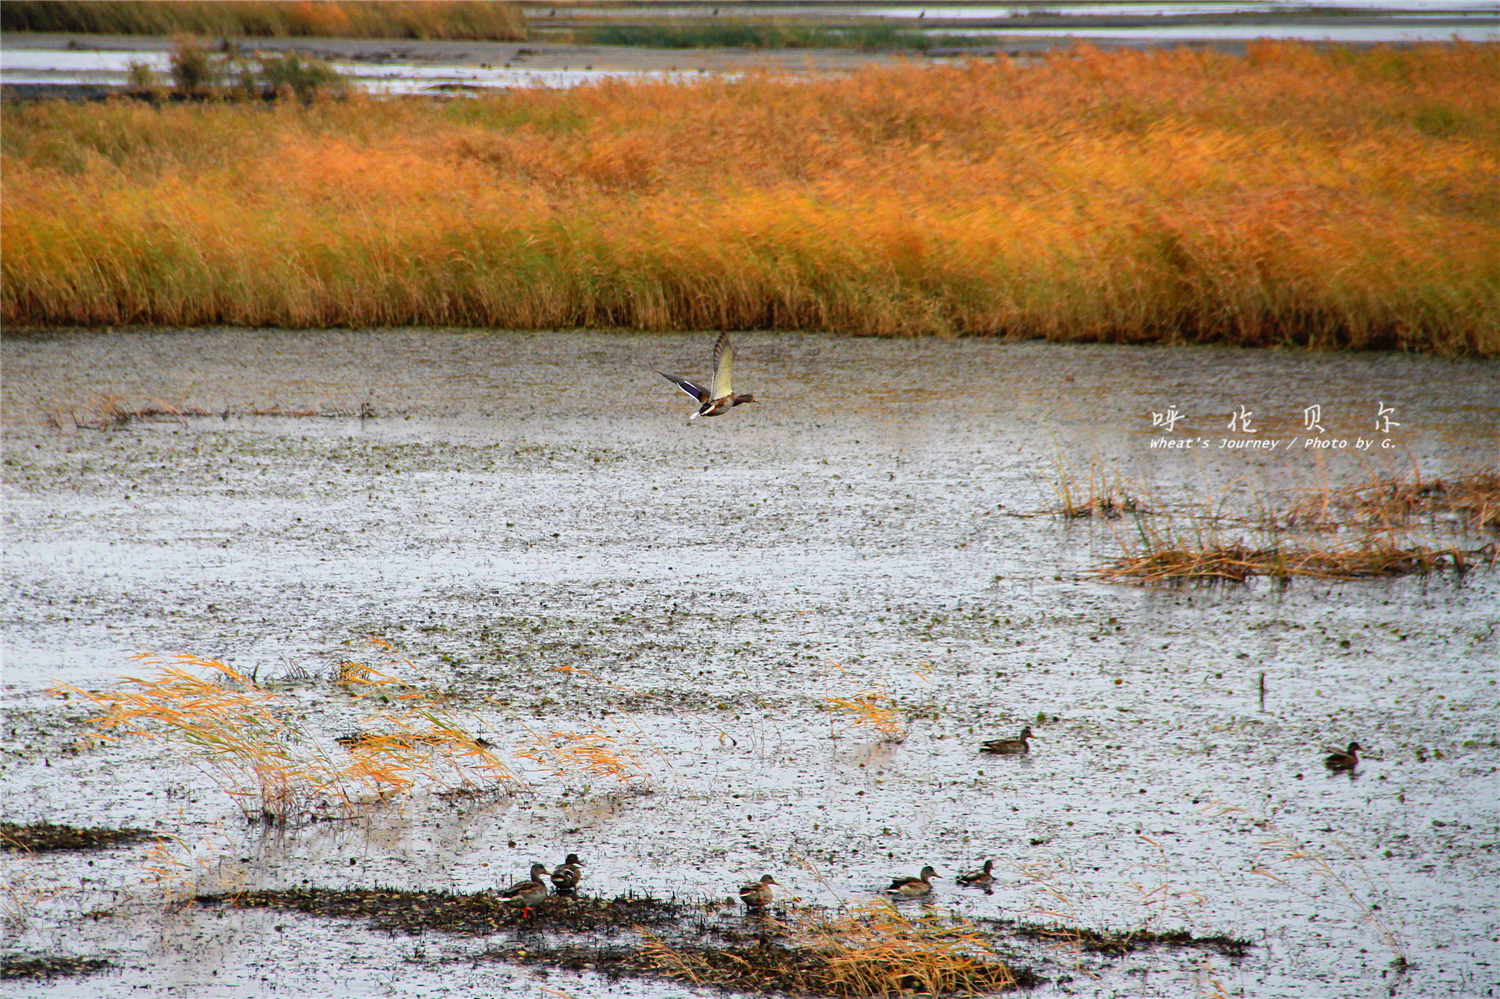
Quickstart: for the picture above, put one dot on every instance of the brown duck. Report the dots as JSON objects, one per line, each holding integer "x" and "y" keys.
{"x": 1009, "y": 747}
{"x": 719, "y": 397}
{"x": 757, "y": 894}
{"x": 1345, "y": 760}
{"x": 524, "y": 894}
{"x": 565, "y": 876}
{"x": 981, "y": 878}
{"x": 912, "y": 887}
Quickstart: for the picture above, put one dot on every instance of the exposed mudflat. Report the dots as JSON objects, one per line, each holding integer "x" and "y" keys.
{"x": 536, "y": 527}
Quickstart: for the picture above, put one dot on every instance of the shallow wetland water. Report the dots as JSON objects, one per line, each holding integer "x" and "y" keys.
{"x": 534, "y": 524}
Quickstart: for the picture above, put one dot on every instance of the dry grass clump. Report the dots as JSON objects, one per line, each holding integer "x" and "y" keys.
{"x": 595, "y": 753}
{"x": 1372, "y": 558}
{"x": 1106, "y": 494}
{"x": 875, "y": 709}
{"x": 1297, "y": 195}
{"x": 250, "y": 739}
{"x": 1472, "y": 498}
{"x": 871, "y": 950}
{"x": 477, "y": 19}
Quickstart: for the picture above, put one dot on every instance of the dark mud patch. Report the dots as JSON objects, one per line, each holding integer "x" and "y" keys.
{"x": 706, "y": 944}
{"x": 51, "y": 967}
{"x": 1095, "y": 942}
{"x": 43, "y": 837}
{"x": 465, "y": 915}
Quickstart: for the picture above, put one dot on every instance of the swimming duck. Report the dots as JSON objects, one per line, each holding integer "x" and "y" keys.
{"x": 718, "y": 397}
{"x": 1346, "y": 760}
{"x": 979, "y": 879}
{"x": 912, "y": 887}
{"x": 524, "y": 894}
{"x": 565, "y": 877}
{"x": 1009, "y": 747}
{"x": 757, "y": 894}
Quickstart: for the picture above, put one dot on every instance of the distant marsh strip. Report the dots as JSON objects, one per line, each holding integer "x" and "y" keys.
{"x": 1297, "y": 195}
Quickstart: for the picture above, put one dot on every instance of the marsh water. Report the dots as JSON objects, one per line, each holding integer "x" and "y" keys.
{"x": 541, "y": 533}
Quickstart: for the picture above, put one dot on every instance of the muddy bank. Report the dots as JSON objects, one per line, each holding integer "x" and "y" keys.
{"x": 44, "y": 836}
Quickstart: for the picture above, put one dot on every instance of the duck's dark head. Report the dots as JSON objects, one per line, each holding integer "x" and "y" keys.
{"x": 1026, "y": 734}
{"x": 747, "y": 397}
{"x": 1355, "y": 747}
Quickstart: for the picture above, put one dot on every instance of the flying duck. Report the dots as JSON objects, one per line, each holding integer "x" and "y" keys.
{"x": 718, "y": 397}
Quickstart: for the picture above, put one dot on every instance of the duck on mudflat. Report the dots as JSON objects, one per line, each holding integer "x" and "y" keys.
{"x": 757, "y": 894}
{"x": 565, "y": 876}
{"x": 524, "y": 894}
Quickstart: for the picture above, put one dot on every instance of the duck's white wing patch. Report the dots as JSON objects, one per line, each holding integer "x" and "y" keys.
{"x": 691, "y": 388}
{"x": 723, "y": 367}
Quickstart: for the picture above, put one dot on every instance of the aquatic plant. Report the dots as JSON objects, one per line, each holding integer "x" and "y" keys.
{"x": 226, "y": 74}
{"x": 1106, "y": 493}
{"x": 1387, "y": 500}
{"x": 1132, "y": 196}
{"x": 1282, "y": 537}
{"x": 873, "y": 707}
{"x": 1365, "y": 558}
{"x": 491, "y": 20}
{"x": 252, "y": 742}
{"x": 595, "y": 753}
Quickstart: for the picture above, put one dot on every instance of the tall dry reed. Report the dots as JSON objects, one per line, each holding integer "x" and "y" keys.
{"x": 1298, "y": 194}
{"x": 476, "y": 19}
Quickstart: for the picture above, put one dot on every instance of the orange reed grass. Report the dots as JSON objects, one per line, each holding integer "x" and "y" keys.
{"x": 247, "y": 738}
{"x": 1295, "y": 195}
{"x": 476, "y": 19}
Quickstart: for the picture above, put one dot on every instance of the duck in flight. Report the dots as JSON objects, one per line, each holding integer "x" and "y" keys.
{"x": 718, "y": 397}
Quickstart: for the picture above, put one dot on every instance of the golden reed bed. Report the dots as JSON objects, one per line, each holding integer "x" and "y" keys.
{"x": 1330, "y": 197}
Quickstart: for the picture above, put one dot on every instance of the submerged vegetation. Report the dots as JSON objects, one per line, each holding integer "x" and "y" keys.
{"x": 461, "y": 19}
{"x": 1297, "y": 195}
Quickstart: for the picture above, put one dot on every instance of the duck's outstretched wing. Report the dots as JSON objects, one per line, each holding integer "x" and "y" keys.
{"x": 696, "y": 391}
{"x": 723, "y": 367}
